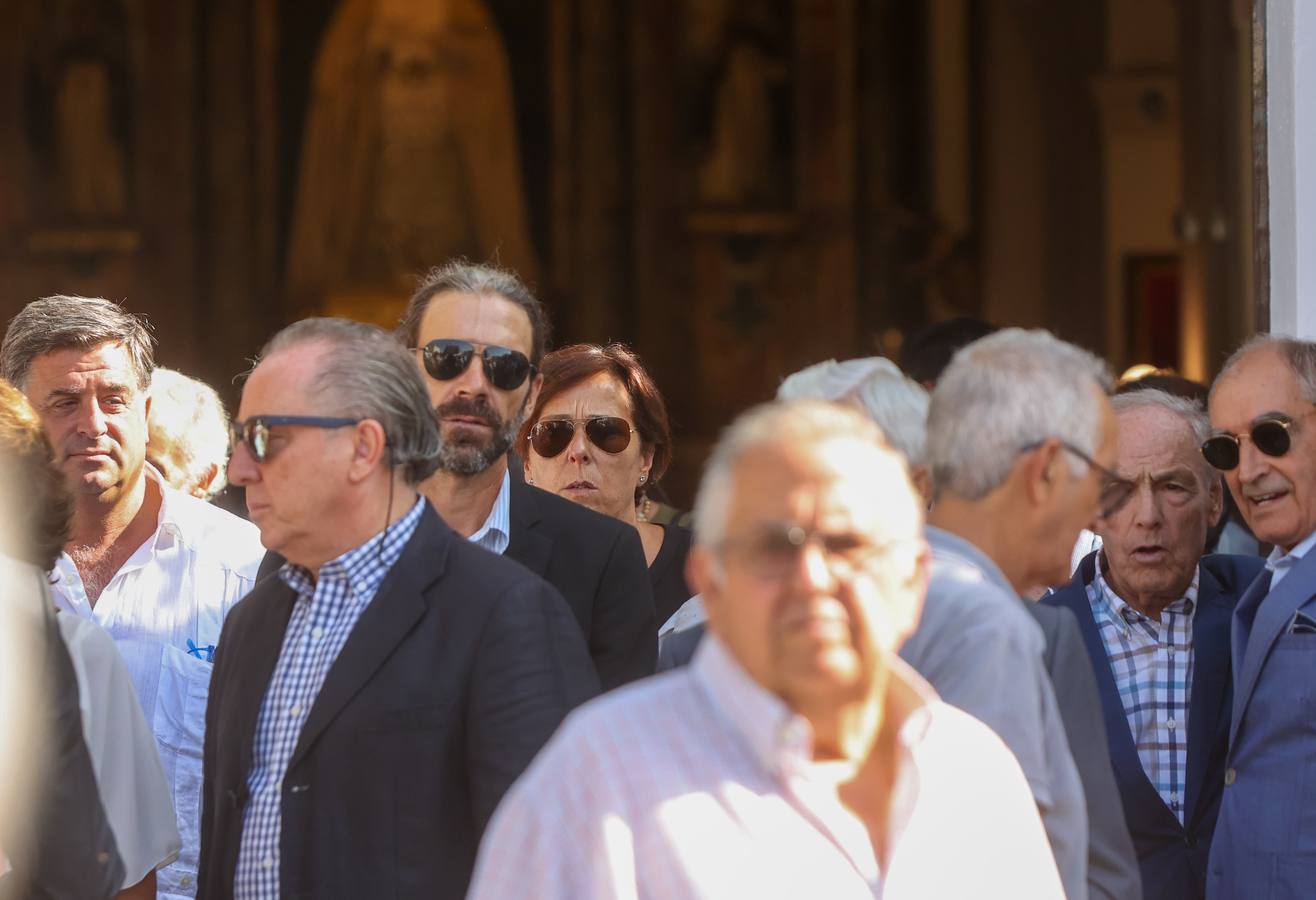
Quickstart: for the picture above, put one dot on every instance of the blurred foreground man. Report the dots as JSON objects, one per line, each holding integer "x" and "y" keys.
{"x": 796, "y": 756}
{"x": 1155, "y": 616}
{"x": 372, "y": 703}
{"x": 1263, "y": 420}
{"x": 156, "y": 568}
{"x": 1021, "y": 439}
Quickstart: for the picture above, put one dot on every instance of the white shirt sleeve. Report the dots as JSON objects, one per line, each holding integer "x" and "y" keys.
{"x": 123, "y": 753}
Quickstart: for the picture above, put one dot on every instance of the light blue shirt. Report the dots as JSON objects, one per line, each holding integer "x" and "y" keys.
{"x": 1280, "y": 563}
{"x": 496, "y": 532}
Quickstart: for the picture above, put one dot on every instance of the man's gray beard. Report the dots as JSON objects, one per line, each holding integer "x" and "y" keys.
{"x": 472, "y": 459}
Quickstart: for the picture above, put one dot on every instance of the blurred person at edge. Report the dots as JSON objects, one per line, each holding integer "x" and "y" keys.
{"x": 796, "y": 756}
{"x": 1020, "y": 440}
{"x": 1263, "y": 424}
{"x": 187, "y": 434}
{"x": 877, "y": 388}
{"x": 129, "y": 782}
{"x": 157, "y": 568}
{"x": 1155, "y": 614}
{"x": 598, "y": 435}
{"x": 374, "y": 699}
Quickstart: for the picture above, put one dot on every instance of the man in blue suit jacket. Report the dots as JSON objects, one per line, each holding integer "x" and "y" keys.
{"x": 1262, "y": 417}
{"x": 1155, "y": 617}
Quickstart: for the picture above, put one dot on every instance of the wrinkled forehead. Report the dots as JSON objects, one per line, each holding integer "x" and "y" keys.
{"x": 1261, "y": 383}
{"x": 283, "y": 383}
{"x": 488, "y": 319}
{"x": 835, "y": 483}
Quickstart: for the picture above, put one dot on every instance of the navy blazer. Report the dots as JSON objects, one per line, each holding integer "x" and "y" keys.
{"x": 1171, "y": 856}
{"x": 1265, "y": 843}
{"x": 456, "y": 674}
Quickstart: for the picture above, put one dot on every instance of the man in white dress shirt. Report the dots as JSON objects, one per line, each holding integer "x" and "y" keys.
{"x": 796, "y": 756}
{"x": 158, "y": 569}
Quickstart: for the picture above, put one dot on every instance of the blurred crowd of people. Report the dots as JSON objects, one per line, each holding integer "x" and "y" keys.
{"x": 419, "y": 621}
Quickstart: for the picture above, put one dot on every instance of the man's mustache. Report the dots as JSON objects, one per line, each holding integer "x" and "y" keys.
{"x": 475, "y": 408}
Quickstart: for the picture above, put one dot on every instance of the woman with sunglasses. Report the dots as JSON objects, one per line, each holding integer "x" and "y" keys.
{"x": 598, "y": 435}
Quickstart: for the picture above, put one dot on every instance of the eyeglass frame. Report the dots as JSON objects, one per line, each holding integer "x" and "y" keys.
{"x": 238, "y": 430}
{"x": 577, "y": 423}
{"x": 480, "y": 350}
{"x": 837, "y": 562}
{"x": 1284, "y": 420}
{"x": 1106, "y": 510}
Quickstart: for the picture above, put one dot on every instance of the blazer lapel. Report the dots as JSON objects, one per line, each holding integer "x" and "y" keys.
{"x": 253, "y": 667}
{"x": 527, "y": 544}
{"x": 1210, "y": 683}
{"x": 1269, "y": 614}
{"x": 1123, "y": 753}
{"x": 396, "y": 607}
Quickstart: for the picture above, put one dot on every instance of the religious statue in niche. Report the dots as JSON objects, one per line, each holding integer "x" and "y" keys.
{"x": 409, "y": 156}
{"x": 80, "y": 114}
{"x": 742, "y": 103}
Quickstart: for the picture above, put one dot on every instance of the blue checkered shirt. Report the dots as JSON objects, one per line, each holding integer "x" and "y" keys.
{"x": 323, "y": 616}
{"x": 1152, "y": 662}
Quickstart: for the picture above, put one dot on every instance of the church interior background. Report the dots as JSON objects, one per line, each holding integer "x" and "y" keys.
{"x": 737, "y": 188}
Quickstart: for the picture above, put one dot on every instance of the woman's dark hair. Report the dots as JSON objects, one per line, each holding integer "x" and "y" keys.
{"x": 565, "y": 368}
{"x": 32, "y": 488}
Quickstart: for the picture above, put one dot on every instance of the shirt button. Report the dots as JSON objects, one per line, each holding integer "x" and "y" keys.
{"x": 268, "y": 861}
{"x": 317, "y": 632}
{"x": 295, "y": 709}
{"x": 1230, "y": 776}
{"x": 1170, "y": 724}
{"x": 185, "y": 881}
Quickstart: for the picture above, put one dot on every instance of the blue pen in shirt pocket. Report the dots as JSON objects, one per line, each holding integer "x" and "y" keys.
{"x": 206, "y": 653}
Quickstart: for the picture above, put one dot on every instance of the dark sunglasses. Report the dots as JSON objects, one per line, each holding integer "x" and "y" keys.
{"x": 611, "y": 434}
{"x": 255, "y": 431}
{"x": 505, "y": 369}
{"x": 1115, "y": 490}
{"x": 1270, "y": 436}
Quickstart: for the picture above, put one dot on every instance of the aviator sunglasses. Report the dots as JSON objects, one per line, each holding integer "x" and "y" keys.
{"x": 611, "y": 434}
{"x": 1270, "y": 435}
{"x": 505, "y": 369}
{"x": 255, "y": 431}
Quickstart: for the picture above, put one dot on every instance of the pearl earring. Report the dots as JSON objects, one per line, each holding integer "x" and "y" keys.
{"x": 530, "y": 479}
{"x": 642, "y": 477}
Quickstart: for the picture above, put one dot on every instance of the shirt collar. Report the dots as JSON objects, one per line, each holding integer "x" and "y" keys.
{"x": 495, "y": 533}
{"x": 1278, "y": 559}
{"x": 1127, "y": 614}
{"x": 946, "y": 545}
{"x": 363, "y": 567}
{"x": 780, "y": 739}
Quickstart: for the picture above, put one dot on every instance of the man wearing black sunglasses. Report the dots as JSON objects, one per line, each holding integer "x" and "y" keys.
{"x": 1264, "y": 439}
{"x": 477, "y": 334}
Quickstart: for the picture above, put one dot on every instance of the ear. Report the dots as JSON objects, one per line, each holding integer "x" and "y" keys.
{"x": 1038, "y": 469}
{"x": 1215, "y": 499}
{"x": 646, "y": 459}
{"x": 532, "y": 395}
{"x": 369, "y": 450}
{"x": 921, "y": 476}
{"x": 703, "y": 572}
{"x": 202, "y": 487}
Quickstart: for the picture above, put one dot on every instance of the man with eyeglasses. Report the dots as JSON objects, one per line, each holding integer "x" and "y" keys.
{"x": 796, "y": 756}
{"x": 1020, "y": 442}
{"x": 157, "y": 568}
{"x": 1155, "y": 617}
{"x": 478, "y": 334}
{"x": 373, "y": 701}
{"x": 1264, "y": 440}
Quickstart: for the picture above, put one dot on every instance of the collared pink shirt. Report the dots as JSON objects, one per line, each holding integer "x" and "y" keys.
{"x": 700, "y": 783}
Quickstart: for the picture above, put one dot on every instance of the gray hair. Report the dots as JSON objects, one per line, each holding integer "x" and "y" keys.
{"x": 367, "y": 374}
{"x": 1189, "y": 411}
{"x": 188, "y": 421}
{"x": 1004, "y": 392}
{"x": 63, "y": 322}
{"x": 461, "y": 276}
{"x": 896, "y": 403}
{"x": 793, "y": 423}
{"x": 1300, "y": 356}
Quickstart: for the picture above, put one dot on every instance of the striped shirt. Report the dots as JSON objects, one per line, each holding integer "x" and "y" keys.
{"x": 1152, "y": 661}
{"x": 496, "y": 532}
{"x": 701, "y": 783}
{"x": 323, "y": 617}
